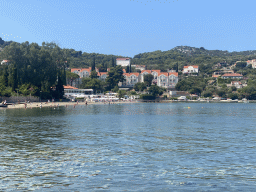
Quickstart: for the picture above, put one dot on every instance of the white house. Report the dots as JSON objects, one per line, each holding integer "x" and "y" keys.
{"x": 82, "y": 72}
{"x": 173, "y": 79}
{"x": 252, "y": 62}
{"x": 236, "y": 84}
{"x": 123, "y": 61}
{"x": 102, "y": 75}
{"x": 190, "y": 69}
{"x": 232, "y": 76}
{"x": 130, "y": 79}
{"x": 5, "y": 62}
{"x": 162, "y": 79}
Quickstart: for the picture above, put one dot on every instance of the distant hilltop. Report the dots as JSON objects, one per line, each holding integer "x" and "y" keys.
{"x": 176, "y": 57}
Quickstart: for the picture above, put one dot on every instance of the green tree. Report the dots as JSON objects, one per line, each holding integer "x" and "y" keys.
{"x": 94, "y": 75}
{"x": 140, "y": 86}
{"x": 148, "y": 79}
{"x": 115, "y": 75}
{"x": 241, "y": 64}
{"x": 121, "y": 93}
{"x": 155, "y": 90}
{"x": 113, "y": 64}
{"x": 71, "y": 77}
{"x": 93, "y": 64}
{"x": 207, "y": 94}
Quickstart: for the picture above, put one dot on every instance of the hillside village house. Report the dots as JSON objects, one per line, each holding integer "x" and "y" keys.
{"x": 5, "y": 62}
{"x": 162, "y": 79}
{"x": 82, "y": 72}
{"x": 190, "y": 69}
{"x": 102, "y": 75}
{"x": 236, "y": 84}
{"x": 252, "y": 62}
{"x": 139, "y": 67}
{"x": 130, "y": 79}
{"x": 232, "y": 76}
{"x": 123, "y": 61}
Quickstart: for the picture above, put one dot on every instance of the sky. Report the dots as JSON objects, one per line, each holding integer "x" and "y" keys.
{"x": 130, "y": 27}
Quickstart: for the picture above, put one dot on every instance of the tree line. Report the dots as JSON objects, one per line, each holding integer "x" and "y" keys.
{"x": 33, "y": 70}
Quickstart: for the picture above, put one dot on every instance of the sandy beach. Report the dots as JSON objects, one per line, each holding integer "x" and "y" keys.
{"x": 56, "y": 104}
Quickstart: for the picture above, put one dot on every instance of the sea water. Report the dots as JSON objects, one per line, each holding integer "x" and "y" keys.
{"x": 133, "y": 147}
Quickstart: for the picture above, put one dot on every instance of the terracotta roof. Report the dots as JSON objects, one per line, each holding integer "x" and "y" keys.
{"x": 158, "y": 71}
{"x": 173, "y": 73}
{"x": 81, "y": 69}
{"x": 163, "y": 73}
{"x": 69, "y": 87}
{"x": 102, "y": 73}
{"x": 130, "y": 74}
{"x": 233, "y": 82}
{"x": 148, "y": 71}
{"x": 194, "y": 66}
{"x": 232, "y": 75}
{"x": 123, "y": 58}
{"x": 215, "y": 76}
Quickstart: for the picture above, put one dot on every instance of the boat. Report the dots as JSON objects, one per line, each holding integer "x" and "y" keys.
{"x": 3, "y": 105}
{"x": 245, "y": 100}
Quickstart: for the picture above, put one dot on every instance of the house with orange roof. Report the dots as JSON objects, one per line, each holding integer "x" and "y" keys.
{"x": 190, "y": 69}
{"x": 5, "y": 62}
{"x": 82, "y": 72}
{"x": 173, "y": 79}
{"x": 102, "y": 75}
{"x": 236, "y": 84}
{"x": 130, "y": 79}
{"x": 73, "y": 92}
{"x": 152, "y": 72}
{"x": 123, "y": 61}
{"x": 232, "y": 76}
{"x": 162, "y": 79}
{"x": 252, "y": 62}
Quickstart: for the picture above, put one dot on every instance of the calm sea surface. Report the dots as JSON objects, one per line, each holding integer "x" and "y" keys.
{"x": 133, "y": 147}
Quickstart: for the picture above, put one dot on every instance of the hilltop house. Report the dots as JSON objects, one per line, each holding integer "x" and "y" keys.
{"x": 123, "y": 61}
{"x": 190, "y": 69}
{"x": 5, "y": 62}
{"x": 252, "y": 62}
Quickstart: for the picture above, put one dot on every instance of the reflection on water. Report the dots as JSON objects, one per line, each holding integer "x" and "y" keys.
{"x": 133, "y": 147}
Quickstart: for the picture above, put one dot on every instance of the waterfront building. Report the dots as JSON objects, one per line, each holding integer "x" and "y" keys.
{"x": 73, "y": 92}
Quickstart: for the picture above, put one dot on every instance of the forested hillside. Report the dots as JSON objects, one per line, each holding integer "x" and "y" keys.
{"x": 41, "y": 69}
{"x": 171, "y": 59}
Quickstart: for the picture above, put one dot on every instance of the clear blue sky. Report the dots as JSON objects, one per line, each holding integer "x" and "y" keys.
{"x": 129, "y": 27}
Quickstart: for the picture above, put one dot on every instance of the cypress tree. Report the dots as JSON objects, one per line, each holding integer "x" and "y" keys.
{"x": 93, "y": 64}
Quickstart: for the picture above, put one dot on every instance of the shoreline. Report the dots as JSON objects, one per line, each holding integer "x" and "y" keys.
{"x": 57, "y": 104}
